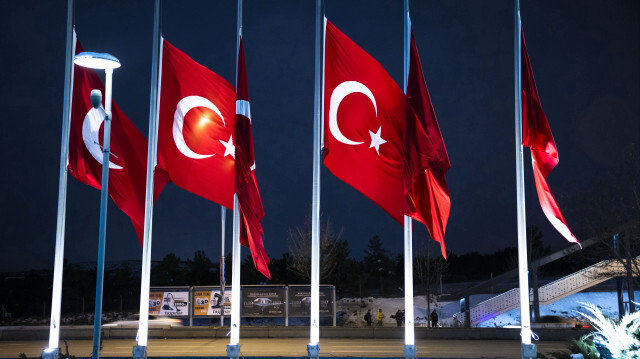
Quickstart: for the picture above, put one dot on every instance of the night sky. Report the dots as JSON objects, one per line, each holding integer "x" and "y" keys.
{"x": 585, "y": 57}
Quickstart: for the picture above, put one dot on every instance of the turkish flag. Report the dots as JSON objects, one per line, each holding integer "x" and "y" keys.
{"x": 536, "y": 134}
{"x": 196, "y": 127}
{"x": 364, "y": 114}
{"x": 128, "y": 162}
{"x": 426, "y": 194}
{"x": 246, "y": 184}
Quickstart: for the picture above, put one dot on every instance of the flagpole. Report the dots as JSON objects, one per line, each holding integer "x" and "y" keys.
{"x": 313, "y": 348}
{"x": 528, "y": 350}
{"x": 56, "y": 293}
{"x": 140, "y": 350}
{"x": 409, "y": 335}
{"x": 233, "y": 348}
{"x": 223, "y": 220}
{"x": 104, "y": 201}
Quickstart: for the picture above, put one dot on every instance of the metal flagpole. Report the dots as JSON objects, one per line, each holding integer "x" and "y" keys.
{"x": 56, "y": 292}
{"x": 528, "y": 349}
{"x": 233, "y": 348}
{"x": 313, "y": 348}
{"x": 104, "y": 201}
{"x": 409, "y": 336}
{"x": 223, "y": 220}
{"x": 140, "y": 350}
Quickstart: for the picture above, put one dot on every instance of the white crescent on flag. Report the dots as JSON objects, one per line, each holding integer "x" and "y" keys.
{"x": 90, "y": 129}
{"x": 184, "y": 106}
{"x": 339, "y": 93}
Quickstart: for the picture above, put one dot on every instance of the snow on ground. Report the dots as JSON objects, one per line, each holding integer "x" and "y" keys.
{"x": 565, "y": 308}
{"x": 351, "y": 311}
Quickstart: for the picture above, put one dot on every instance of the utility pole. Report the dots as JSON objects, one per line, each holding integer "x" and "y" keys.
{"x": 619, "y": 292}
{"x": 627, "y": 250}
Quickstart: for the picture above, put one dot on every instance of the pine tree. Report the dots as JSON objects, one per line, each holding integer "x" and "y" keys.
{"x": 377, "y": 261}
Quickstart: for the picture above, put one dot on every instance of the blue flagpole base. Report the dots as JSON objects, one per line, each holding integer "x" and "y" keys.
{"x": 529, "y": 351}
{"x": 409, "y": 351}
{"x": 233, "y": 351}
{"x": 139, "y": 352}
{"x": 50, "y": 353}
{"x": 313, "y": 351}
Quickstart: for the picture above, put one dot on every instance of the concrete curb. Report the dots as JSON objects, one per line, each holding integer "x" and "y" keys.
{"x": 86, "y": 332}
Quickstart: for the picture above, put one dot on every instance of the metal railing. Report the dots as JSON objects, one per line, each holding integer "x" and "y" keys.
{"x": 548, "y": 293}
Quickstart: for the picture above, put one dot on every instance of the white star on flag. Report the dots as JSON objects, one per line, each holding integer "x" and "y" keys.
{"x": 376, "y": 140}
{"x": 229, "y": 148}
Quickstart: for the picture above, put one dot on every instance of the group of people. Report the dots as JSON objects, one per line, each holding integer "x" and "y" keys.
{"x": 369, "y": 318}
{"x": 399, "y": 317}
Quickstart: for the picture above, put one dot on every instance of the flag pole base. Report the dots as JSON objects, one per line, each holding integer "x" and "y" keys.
{"x": 50, "y": 353}
{"x": 409, "y": 351}
{"x": 529, "y": 351}
{"x": 313, "y": 350}
{"x": 139, "y": 352}
{"x": 233, "y": 351}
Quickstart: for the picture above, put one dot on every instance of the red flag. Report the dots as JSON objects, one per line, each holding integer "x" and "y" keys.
{"x": 196, "y": 127}
{"x": 363, "y": 123}
{"x": 426, "y": 194}
{"x": 536, "y": 134}
{"x": 128, "y": 162}
{"x": 246, "y": 184}
{"x": 196, "y": 145}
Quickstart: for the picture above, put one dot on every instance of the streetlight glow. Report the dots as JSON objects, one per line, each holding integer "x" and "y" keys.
{"x": 96, "y": 60}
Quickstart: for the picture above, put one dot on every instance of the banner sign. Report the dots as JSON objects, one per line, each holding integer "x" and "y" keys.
{"x": 300, "y": 301}
{"x": 209, "y": 302}
{"x": 263, "y": 301}
{"x": 171, "y": 303}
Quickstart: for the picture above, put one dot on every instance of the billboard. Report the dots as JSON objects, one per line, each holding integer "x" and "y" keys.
{"x": 171, "y": 302}
{"x": 263, "y": 301}
{"x": 208, "y": 302}
{"x": 300, "y": 301}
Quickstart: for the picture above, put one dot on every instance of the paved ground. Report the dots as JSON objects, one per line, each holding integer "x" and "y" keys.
{"x": 294, "y": 347}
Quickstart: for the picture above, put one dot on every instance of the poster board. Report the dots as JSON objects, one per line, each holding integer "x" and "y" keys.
{"x": 300, "y": 301}
{"x": 263, "y": 301}
{"x": 208, "y": 302}
{"x": 170, "y": 302}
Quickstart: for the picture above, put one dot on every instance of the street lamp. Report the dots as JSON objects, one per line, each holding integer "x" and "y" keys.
{"x": 96, "y": 60}
{"x": 106, "y": 62}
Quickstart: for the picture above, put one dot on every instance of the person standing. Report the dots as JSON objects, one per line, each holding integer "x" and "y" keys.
{"x": 399, "y": 317}
{"x": 434, "y": 319}
{"x": 380, "y": 317}
{"x": 367, "y": 318}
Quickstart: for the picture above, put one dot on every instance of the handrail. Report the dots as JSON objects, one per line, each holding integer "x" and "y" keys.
{"x": 548, "y": 293}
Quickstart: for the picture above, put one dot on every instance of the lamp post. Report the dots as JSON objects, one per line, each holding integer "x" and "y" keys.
{"x": 107, "y": 63}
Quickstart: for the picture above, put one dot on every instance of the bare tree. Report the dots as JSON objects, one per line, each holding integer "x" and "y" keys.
{"x": 611, "y": 208}
{"x": 535, "y": 250}
{"x": 428, "y": 270}
{"x": 299, "y": 242}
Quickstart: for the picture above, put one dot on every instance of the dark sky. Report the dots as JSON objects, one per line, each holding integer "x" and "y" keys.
{"x": 585, "y": 57}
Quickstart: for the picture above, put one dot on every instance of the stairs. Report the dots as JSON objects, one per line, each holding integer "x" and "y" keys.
{"x": 548, "y": 293}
